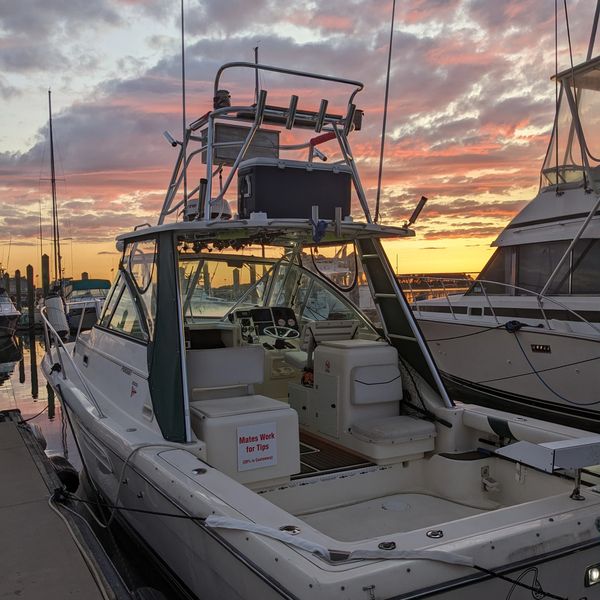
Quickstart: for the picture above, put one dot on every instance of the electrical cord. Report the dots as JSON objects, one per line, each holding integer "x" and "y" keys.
{"x": 113, "y": 508}
{"x": 457, "y": 337}
{"x": 35, "y": 416}
{"x": 518, "y": 583}
{"x": 535, "y": 372}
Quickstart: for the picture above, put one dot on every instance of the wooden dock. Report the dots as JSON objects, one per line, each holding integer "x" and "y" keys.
{"x": 44, "y": 555}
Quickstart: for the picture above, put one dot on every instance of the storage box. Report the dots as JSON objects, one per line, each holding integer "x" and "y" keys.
{"x": 288, "y": 189}
{"x": 250, "y": 438}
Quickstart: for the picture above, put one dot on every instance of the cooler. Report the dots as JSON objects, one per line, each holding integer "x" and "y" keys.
{"x": 250, "y": 438}
{"x": 288, "y": 189}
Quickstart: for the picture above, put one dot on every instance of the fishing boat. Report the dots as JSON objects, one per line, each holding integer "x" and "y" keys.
{"x": 263, "y": 438}
{"x": 84, "y": 299}
{"x": 9, "y": 315}
{"x": 525, "y": 336}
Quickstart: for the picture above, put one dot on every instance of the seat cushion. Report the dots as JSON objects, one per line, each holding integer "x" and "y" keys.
{"x": 225, "y": 367}
{"x": 400, "y": 429}
{"x": 236, "y": 405}
{"x": 296, "y": 358}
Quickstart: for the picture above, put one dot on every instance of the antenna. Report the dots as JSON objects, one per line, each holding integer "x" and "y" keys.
{"x": 415, "y": 214}
{"x": 385, "y": 107}
{"x": 183, "y": 119}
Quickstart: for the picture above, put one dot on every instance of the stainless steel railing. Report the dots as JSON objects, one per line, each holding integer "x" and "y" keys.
{"x": 443, "y": 287}
{"x": 50, "y": 336}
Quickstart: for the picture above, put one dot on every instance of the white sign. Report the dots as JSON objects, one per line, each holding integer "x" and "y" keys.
{"x": 257, "y": 446}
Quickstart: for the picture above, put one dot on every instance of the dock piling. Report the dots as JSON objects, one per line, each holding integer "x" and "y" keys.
{"x": 45, "y": 274}
{"x": 30, "y": 297}
{"x": 18, "y": 289}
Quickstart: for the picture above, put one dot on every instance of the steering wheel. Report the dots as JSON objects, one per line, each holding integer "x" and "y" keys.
{"x": 280, "y": 332}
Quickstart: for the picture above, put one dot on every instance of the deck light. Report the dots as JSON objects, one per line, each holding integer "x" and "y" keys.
{"x": 592, "y": 575}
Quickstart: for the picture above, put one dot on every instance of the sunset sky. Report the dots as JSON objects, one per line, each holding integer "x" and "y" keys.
{"x": 471, "y": 107}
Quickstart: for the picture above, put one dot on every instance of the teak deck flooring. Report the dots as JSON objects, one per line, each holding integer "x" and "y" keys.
{"x": 319, "y": 457}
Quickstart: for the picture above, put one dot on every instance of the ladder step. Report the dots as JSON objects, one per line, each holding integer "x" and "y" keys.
{"x": 382, "y": 295}
{"x": 370, "y": 256}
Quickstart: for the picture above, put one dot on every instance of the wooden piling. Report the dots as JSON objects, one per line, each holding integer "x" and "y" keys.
{"x": 33, "y": 368}
{"x": 45, "y": 274}
{"x": 6, "y": 278}
{"x": 21, "y": 361}
{"x": 30, "y": 297}
{"x": 18, "y": 288}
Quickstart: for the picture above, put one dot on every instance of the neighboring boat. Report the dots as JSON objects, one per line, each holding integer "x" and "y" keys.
{"x": 84, "y": 299}
{"x": 9, "y": 315}
{"x": 281, "y": 444}
{"x": 525, "y": 336}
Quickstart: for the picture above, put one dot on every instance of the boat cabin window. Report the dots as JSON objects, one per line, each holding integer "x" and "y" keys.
{"x": 109, "y": 305}
{"x": 535, "y": 264}
{"x": 586, "y": 258}
{"x": 125, "y": 317}
{"x": 141, "y": 264}
{"x": 498, "y": 269}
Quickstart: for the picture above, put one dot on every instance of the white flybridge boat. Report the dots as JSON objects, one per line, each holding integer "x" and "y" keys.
{"x": 525, "y": 336}
{"x": 264, "y": 438}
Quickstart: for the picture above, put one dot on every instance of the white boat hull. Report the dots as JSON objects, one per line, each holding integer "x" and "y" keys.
{"x": 210, "y": 565}
{"x": 547, "y": 374}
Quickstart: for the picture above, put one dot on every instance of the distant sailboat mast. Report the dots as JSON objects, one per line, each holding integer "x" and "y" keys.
{"x": 55, "y": 230}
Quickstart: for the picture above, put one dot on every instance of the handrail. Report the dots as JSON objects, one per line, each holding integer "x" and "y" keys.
{"x": 469, "y": 283}
{"x": 258, "y": 67}
{"x": 48, "y": 327}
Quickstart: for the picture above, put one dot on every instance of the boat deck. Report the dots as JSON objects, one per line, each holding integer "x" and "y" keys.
{"x": 389, "y": 514}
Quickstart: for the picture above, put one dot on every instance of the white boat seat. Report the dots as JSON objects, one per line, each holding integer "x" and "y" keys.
{"x": 296, "y": 358}
{"x": 317, "y": 332}
{"x": 402, "y": 429}
{"x": 224, "y": 372}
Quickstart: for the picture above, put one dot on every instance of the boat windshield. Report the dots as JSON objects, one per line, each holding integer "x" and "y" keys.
{"x": 213, "y": 285}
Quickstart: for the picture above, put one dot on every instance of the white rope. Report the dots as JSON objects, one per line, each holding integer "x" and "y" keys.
{"x": 450, "y": 558}
{"x": 230, "y": 523}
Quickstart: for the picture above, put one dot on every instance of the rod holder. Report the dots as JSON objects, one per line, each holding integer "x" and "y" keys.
{"x": 349, "y": 120}
{"x": 321, "y": 115}
{"x": 291, "y": 117}
{"x": 260, "y": 107}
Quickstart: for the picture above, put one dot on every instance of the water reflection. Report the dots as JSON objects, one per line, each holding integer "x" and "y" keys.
{"x": 10, "y": 353}
{"x": 20, "y": 377}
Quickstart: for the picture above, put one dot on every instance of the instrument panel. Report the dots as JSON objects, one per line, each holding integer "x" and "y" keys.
{"x": 253, "y": 322}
